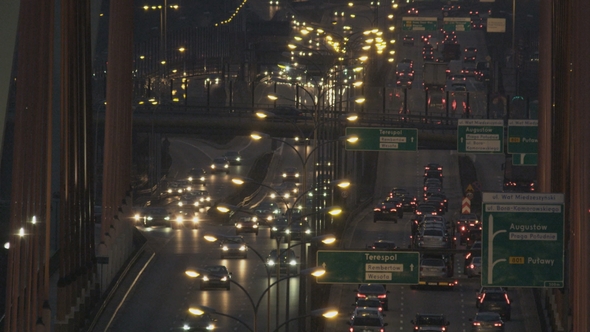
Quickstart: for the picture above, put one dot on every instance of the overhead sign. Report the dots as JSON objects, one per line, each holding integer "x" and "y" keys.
{"x": 523, "y": 136}
{"x": 480, "y": 136}
{"x": 525, "y": 159}
{"x": 496, "y": 24}
{"x": 457, "y": 24}
{"x": 522, "y": 240}
{"x": 419, "y": 23}
{"x": 357, "y": 267}
{"x": 383, "y": 139}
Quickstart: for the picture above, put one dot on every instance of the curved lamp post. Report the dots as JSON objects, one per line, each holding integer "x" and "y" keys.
{"x": 198, "y": 309}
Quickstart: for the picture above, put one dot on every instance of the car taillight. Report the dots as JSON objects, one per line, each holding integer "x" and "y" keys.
{"x": 497, "y": 324}
{"x": 361, "y": 296}
{"x": 382, "y": 296}
{"x": 476, "y": 323}
{"x": 507, "y": 299}
{"x": 471, "y": 266}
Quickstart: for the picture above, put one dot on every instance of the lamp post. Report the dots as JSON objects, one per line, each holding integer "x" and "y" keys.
{"x": 197, "y": 273}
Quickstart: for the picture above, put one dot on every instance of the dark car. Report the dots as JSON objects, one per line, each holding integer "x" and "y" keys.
{"x": 487, "y": 322}
{"x": 378, "y": 291}
{"x": 220, "y": 164}
{"x": 215, "y": 276}
{"x": 233, "y": 157}
{"x": 480, "y": 291}
{"x": 267, "y": 211}
{"x": 369, "y": 303}
{"x": 290, "y": 174}
{"x": 424, "y": 322}
{"x": 247, "y": 225}
{"x": 389, "y": 209}
{"x": 199, "y": 323}
{"x": 197, "y": 176}
{"x": 383, "y": 245}
{"x": 286, "y": 262}
{"x": 433, "y": 174}
{"x": 278, "y": 227}
{"x": 437, "y": 201}
{"x": 234, "y": 246}
{"x": 297, "y": 230}
{"x": 408, "y": 40}
{"x": 367, "y": 324}
{"x": 496, "y": 301}
{"x": 153, "y": 216}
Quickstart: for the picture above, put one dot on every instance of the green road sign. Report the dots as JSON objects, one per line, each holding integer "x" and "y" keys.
{"x": 419, "y": 23}
{"x": 457, "y": 24}
{"x": 522, "y": 136}
{"x": 382, "y": 139}
{"x": 356, "y": 267}
{"x": 480, "y": 136}
{"x": 522, "y": 240}
{"x": 529, "y": 159}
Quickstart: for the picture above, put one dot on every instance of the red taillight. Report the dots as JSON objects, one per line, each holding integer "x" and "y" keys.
{"x": 382, "y": 296}
{"x": 507, "y": 299}
{"x": 361, "y": 296}
{"x": 471, "y": 266}
{"x": 498, "y": 324}
{"x": 476, "y": 323}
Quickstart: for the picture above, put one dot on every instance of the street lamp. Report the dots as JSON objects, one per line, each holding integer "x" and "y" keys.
{"x": 198, "y": 309}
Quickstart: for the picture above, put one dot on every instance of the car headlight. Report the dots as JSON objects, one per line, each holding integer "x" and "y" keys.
{"x": 274, "y": 229}
{"x": 179, "y": 219}
{"x": 137, "y": 217}
{"x": 225, "y": 166}
{"x": 225, "y": 248}
{"x": 202, "y": 178}
{"x": 150, "y": 218}
{"x": 239, "y": 225}
{"x": 190, "y": 178}
{"x": 186, "y": 327}
{"x": 167, "y": 218}
{"x": 255, "y": 226}
{"x": 224, "y": 278}
{"x": 195, "y": 220}
{"x": 196, "y": 203}
{"x": 243, "y": 248}
{"x": 308, "y": 231}
{"x": 293, "y": 262}
{"x": 270, "y": 263}
{"x": 284, "y": 175}
{"x": 288, "y": 231}
{"x": 213, "y": 166}
{"x": 205, "y": 278}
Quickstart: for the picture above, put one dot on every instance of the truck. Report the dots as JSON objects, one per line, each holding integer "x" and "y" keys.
{"x": 451, "y": 51}
{"x": 519, "y": 178}
{"x": 434, "y": 75}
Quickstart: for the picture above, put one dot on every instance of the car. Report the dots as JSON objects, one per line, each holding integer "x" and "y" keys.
{"x": 247, "y": 224}
{"x": 433, "y": 267}
{"x": 430, "y": 322}
{"x": 474, "y": 267}
{"x": 365, "y": 312}
{"x": 285, "y": 190}
{"x": 465, "y": 223}
{"x": 199, "y": 323}
{"x": 290, "y": 174}
{"x": 220, "y": 164}
{"x": 197, "y": 176}
{"x": 433, "y": 166}
{"x": 443, "y": 197}
{"x": 480, "y": 291}
{"x": 233, "y": 157}
{"x": 201, "y": 196}
{"x": 378, "y": 291}
{"x": 408, "y": 40}
{"x": 474, "y": 250}
{"x": 298, "y": 230}
{"x": 369, "y": 303}
{"x": 487, "y": 322}
{"x": 183, "y": 211}
{"x": 431, "y": 181}
{"x": 496, "y": 301}
{"x": 267, "y": 211}
{"x": 433, "y": 238}
{"x": 404, "y": 83}
{"x": 215, "y": 276}
{"x": 404, "y": 72}
{"x": 367, "y": 323}
{"x": 438, "y": 201}
{"x": 412, "y": 12}
{"x": 458, "y": 78}
{"x": 286, "y": 264}
{"x": 233, "y": 246}
{"x": 469, "y": 69}
{"x": 278, "y": 227}
{"x": 428, "y": 56}
{"x": 153, "y": 216}
{"x": 388, "y": 210}
{"x": 410, "y": 62}
{"x": 458, "y": 87}
{"x": 433, "y": 174}
{"x": 382, "y": 245}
